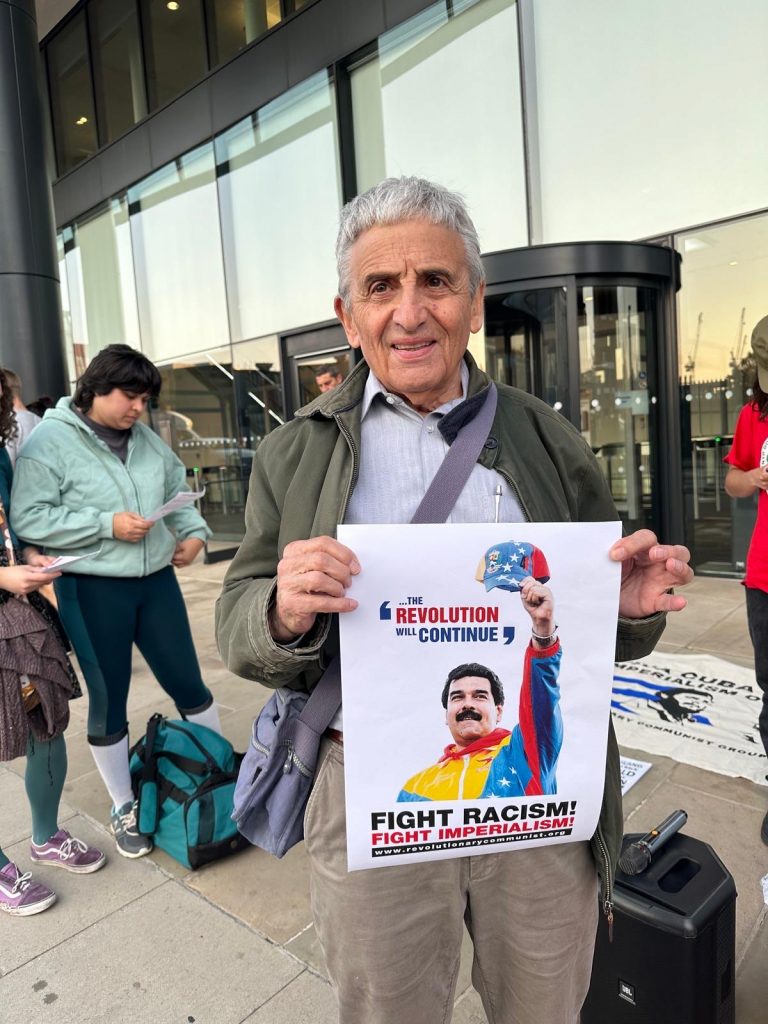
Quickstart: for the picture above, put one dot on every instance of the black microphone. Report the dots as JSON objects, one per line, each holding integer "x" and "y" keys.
{"x": 637, "y": 856}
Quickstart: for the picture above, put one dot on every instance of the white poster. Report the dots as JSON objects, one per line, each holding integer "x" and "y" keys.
{"x": 693, "y": 707}
{"x": 460, "y": 735}
{"x": 631, "y": 772}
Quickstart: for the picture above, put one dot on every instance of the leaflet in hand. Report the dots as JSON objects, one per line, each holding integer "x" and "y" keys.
{"x": 180, "y": 500}
{"x": 58, "y": 563}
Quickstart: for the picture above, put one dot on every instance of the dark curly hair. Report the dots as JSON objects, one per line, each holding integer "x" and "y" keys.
{"x": 116, "y": 366}
{"x": 8, "y": 427}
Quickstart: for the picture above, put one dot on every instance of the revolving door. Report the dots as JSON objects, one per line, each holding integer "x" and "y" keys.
{"x": 587, "y": 327}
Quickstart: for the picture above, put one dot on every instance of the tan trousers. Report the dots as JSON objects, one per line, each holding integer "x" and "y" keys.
{"x": 392, "y": 936}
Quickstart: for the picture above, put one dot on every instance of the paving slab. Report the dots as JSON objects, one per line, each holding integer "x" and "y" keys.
{"x": 306, "y": 947}
{"x": 237, "y": 725}
{"x": 741, "y": 791}
{"x": 88, "y": 794}
{"x": 82, "y": 899}
{"x": 270, "y": 895}
{"x": 308, "y": 999}
{"x": 168, "y": 956}
{"x": 79, "y": 757}
{"x": 656, "y": 776}
{"x": 705, "y": 612}
{"x": 752, "y": 978}
{"x": 15, "y": 819}
{"x": 469, "y": 1010}
{"x": 731, "y": 830}
{"x": 727, "y": 637}
{"x": 235, "y": 693}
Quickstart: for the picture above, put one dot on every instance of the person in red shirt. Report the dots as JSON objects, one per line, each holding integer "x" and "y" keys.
{"x": 748, "y": 472}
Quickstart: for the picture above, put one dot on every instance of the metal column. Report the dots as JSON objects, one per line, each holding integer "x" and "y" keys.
{"x": 31, "y": 337}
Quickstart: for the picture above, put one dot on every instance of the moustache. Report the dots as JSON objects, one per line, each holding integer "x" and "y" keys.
{"x": 469, "y": 714}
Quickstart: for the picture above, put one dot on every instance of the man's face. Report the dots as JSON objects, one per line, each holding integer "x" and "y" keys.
{"x": 410, "y": 309}
{"x": 691, "y": 703}
{"x": 119, "y": 409}
{"x": 328, "y": 381}
{"x": 471, "y": 713}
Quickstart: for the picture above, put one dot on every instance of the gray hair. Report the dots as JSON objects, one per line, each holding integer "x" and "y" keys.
{"x": 397, "y": 199}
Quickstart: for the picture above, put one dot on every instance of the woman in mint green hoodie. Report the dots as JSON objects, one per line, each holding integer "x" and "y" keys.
{"x": 85, "y": 482}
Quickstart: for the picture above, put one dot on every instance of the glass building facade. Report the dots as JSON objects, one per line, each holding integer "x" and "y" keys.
{"x": 557, "y": 121}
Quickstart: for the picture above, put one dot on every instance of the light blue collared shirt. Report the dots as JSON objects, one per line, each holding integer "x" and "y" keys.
{"x": 400, "y": 453}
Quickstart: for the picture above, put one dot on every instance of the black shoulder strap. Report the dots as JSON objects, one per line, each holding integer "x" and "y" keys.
{"x": 456, "y": 467}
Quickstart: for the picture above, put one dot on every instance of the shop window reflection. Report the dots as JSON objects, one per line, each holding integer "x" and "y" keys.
{"x": 258, "y": 387}
{"x": 72, "y": 108}
{"x": 174, "y": 46}
{"x": 177, "y": 257}
{"x": 118, "y": 66}
{"x": 279, "y": 193}
{"x": 232, "y": 24}
{"x": 617, "y": 331}
{"x": 196, "y": 415}
{"x": 524, "y": 332}
{"x": 723, "y": 296}
{"x": 317, "y": 374}
{"x": 464, "y": 51}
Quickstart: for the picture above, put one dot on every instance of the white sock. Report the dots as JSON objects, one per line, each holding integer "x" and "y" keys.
{"x": 209, "y": 718}
{"x": 112, "y": 762}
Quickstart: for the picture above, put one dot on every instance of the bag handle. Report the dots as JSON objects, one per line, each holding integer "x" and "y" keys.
{"x": 148, "y": 802}
{"x": 435, "y": 507}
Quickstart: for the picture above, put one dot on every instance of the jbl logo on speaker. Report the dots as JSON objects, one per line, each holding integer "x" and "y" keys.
{"x": 627, "y": 991}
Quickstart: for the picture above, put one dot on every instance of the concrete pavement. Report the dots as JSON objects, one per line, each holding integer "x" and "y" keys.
{"x": 234, "y": 942}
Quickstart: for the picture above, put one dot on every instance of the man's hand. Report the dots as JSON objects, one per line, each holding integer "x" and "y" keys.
{"x": 130, "y": 526}
{"x": 312, "y": 577}
{"x": 23, "y": 579}
{"x": 540, "y": 605}
{"x": 187, "y": 551}
{"x": 648, "y": 570}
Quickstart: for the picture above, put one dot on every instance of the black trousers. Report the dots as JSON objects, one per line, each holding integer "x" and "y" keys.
{"x": 104, "y": 617}
{"x": 757, "y": 619}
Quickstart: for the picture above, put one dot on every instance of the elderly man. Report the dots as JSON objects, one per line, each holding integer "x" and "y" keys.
{"x": 410, "y": 293}
{"x": 486, "y": 760}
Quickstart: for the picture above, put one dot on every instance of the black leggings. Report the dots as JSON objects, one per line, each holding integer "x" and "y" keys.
{"x": 757, "y": 620}
{"x": 105, "y": 616}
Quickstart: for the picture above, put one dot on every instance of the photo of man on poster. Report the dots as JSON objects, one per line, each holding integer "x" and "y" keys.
{"x": 485, "y": 760}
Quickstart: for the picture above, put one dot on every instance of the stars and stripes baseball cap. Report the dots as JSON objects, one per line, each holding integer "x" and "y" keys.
{"x": 506, "y": 565}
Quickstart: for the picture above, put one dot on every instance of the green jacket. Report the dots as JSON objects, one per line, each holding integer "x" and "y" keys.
{"x": 303, "y": 475}
{"x": 68, "y": 485}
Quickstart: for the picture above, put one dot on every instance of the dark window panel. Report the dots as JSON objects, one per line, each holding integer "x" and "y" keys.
{"x": 174, "y": 44}
{"x": 72, "y": 108}
{"x": 117, "y": 64}
{"x": 232, "y": 24}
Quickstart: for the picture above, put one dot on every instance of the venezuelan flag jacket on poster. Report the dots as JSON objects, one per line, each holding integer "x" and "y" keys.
{"x": 504, "y": 763}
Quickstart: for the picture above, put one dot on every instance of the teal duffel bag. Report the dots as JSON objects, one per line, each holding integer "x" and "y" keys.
{"x": 184, "y": 778}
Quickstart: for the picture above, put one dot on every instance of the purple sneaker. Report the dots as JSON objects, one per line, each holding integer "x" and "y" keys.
{"x": 20, "y": 896}
{"x": 64, "y": 851}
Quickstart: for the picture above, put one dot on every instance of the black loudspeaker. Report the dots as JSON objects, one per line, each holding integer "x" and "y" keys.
{"x": 672, "y": 958}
